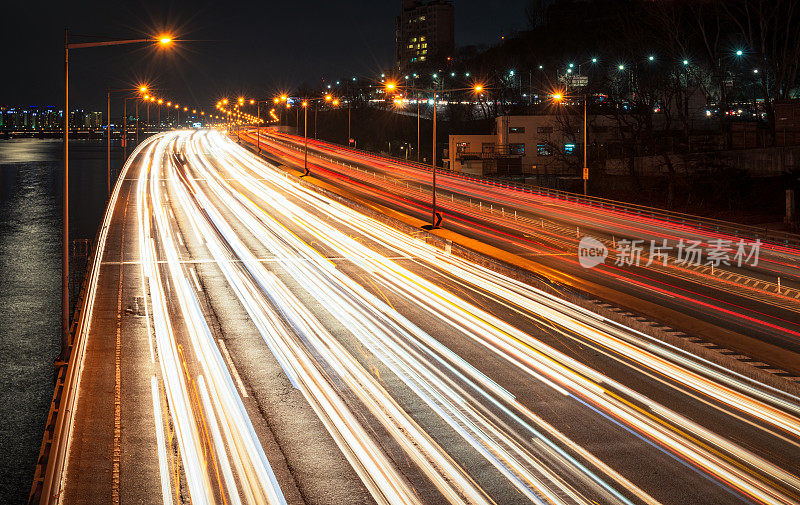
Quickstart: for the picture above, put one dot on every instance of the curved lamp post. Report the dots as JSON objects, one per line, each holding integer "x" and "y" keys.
{"x": 164, "y": 41}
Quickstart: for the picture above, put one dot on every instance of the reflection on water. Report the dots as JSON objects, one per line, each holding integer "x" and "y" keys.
{"x": 30, "y": 280}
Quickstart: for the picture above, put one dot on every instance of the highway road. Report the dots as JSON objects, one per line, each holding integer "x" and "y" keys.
{"x": 251, "y": 340}
{"x": 759, "y": 298}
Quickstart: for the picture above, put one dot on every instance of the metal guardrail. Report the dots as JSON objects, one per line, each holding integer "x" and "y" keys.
{"x": 775, "y": 237}
{"x": 35, "y": 495}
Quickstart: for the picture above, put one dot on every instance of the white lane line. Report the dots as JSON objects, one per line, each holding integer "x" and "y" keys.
{"x": 166, "y": 490}
{"x": 195, "y": 279}
{"x": 235, "y": 372}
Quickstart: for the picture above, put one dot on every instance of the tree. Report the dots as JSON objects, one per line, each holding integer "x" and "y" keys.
{"x": 771, "y": 30}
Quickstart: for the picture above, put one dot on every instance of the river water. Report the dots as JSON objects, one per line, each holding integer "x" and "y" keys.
{"x": 30, "y": 280}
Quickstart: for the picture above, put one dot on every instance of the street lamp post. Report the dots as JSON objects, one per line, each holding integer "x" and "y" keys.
{"x": 109, "y": 91}
{"x": 108, "y": 145}
{"x": 65, "y": 340}
{"x": 305, "y": 139}
{"x": 326, "y": 98}
{"x": 125, "y": 125}
{"x": 258, "y": 119}
{"x": 585, "y": 146}
{"x": 418, "y": 132}
{"x": 304, "y": 104}
{"x": 436, "y": 217}
{"x": 137, "y": 122}
{"x": 558, "y": 98}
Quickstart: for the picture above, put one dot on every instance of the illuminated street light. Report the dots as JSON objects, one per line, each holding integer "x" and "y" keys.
{"x": 65, "y": 240}
{"x": 558, "y": 97}
{"x": 436, "y": 217}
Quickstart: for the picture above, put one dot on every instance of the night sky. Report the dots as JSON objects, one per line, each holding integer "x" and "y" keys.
{"x": 231, "y": 48}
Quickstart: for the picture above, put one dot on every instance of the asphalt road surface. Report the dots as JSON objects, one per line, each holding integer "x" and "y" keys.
{"x": 253, "y": 341}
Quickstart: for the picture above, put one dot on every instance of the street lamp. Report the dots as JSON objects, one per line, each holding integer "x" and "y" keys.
{"x": 558, "y": 98}
{"x": 436, "y": 218}
{"x": 163, "y": 40}
{"x": 258, "y": 118}
{"x": 109, "y": 91}
{"x": 304, "y": 104}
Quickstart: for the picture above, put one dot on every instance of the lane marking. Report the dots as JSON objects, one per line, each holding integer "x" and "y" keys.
{"x": 116, "y": 449}
{"x": 166, "y": 490}
{"x": 195, "y": 279}
{"x": 235, "y": 372}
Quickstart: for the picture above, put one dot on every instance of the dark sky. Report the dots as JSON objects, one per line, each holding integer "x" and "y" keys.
{"x": 233, "y": 47}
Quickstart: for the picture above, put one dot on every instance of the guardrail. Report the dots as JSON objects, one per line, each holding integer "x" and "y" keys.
{"x": 775, "y": 237}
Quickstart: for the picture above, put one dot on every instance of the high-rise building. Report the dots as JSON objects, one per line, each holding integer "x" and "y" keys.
{"x": 424, "y": 32}
{"x": 32, "y": 118}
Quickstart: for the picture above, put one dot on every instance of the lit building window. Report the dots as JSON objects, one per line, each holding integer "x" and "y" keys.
{"x": 518, "y": 148}
{"x": 516, "y": 129}
{"x": 569, "y": 149}
{"x": 544, "y": 150}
